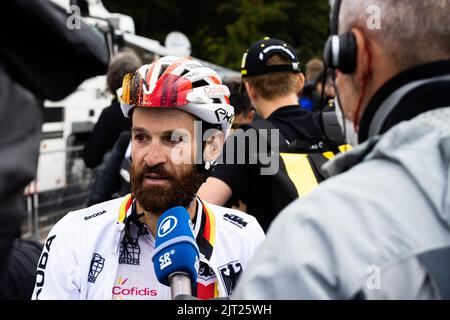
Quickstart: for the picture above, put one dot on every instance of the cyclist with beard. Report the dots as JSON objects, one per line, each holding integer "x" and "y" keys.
{"x": 104, "y": 252}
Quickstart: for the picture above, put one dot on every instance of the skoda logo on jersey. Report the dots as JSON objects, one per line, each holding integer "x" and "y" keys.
{"x": 167, "y": 225}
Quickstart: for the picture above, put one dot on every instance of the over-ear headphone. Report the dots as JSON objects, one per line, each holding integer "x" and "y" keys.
{"x": 340, "y": 50}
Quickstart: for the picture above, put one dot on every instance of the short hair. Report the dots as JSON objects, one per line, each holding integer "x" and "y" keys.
{"x": 239, "y": 100}
{"x": 314, "y": 67}
{"x": 275, "y": 84}
{"x": 412, "y": 32}
{"x": 121, "y": 64}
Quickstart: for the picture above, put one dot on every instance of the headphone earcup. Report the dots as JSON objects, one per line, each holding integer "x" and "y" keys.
{"x": 347, "y": 53}
{"x": 327, "y": 53}
{"x": 340, "y": 52}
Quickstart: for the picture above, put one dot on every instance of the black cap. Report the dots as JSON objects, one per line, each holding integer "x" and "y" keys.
{"x": 254, "y": 60}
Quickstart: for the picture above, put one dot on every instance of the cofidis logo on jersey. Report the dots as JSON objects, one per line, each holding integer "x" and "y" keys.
{"x": 121, "y": 291}
{"x": 167, "y": 225}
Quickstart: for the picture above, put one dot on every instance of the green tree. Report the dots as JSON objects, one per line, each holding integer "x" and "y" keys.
{"x": 221, "y": 31}
{"x": 309, "y": 28}
{"x": 253, "y": 19}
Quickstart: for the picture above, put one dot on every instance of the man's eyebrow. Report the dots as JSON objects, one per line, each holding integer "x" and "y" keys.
{"x": 170, "y": 132}
{"x": 138, "y": 130}
{"x": 143, "y": 130}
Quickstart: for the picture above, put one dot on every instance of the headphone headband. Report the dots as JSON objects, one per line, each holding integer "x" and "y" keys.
{"x": 335, "y": 17}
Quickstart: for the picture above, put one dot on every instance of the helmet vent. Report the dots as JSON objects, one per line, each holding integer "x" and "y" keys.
{"x": 199, "y": 83}
{"x": 163, "y": 69}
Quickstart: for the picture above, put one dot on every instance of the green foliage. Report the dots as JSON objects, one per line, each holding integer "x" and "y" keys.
{"x": 221, "y": 31}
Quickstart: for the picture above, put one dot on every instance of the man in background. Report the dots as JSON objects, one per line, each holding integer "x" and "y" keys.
{"x": 310, "y": 96}
{"x": 272, "y": 84}
{"x": 111, "y": 121}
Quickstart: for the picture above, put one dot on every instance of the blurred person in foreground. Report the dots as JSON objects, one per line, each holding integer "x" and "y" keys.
{"x": 380, "y": 227}
{"x": 105, "y": 251}
{"x": 45, "y": 61}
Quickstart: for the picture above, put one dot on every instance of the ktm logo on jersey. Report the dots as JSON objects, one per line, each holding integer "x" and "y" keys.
{"x": 236, "y": 220}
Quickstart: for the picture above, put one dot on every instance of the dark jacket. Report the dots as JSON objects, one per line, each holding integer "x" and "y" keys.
{"x": 246, "y": 181}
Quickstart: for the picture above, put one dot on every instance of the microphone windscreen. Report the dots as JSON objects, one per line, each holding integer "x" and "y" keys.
{"x": 175, "y": 247}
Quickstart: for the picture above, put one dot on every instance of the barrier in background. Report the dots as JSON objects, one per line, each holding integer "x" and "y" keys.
{"x": 62, "y": 185}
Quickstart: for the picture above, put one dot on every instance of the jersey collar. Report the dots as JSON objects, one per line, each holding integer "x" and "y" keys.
{"x": 204, "y": 224}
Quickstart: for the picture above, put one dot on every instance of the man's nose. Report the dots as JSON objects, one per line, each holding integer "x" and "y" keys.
{"x": 155, "y": 154}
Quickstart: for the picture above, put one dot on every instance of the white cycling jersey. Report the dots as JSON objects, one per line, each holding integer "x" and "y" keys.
{"x": 87, "y": 254}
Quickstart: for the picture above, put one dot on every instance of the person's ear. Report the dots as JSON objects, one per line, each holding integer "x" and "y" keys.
{"x": 363, "y": 67}
{"x": 250, "y": 116}
{"x": 301, "y": 83}
{"x": 251, "y": 93}
{"x": 213, "y": 146}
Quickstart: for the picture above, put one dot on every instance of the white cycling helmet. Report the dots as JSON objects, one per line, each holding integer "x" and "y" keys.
{"x": 182, "y": 83}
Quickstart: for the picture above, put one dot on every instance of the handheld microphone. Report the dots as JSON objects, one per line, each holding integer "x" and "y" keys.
{"x": 176, "y": 256}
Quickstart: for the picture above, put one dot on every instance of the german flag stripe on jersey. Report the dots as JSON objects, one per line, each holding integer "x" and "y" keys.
{"x": 126, "y": 204}
{"x": 206, "y": 237}
{"x": 209, "y": 291}
{"x": 210, "y": 226}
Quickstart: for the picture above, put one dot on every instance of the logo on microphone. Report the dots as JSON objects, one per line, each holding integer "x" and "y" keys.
{"x": 164, "y": 260}
{"x": 167, "y": 225}
{"x": 197, "y": 264}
